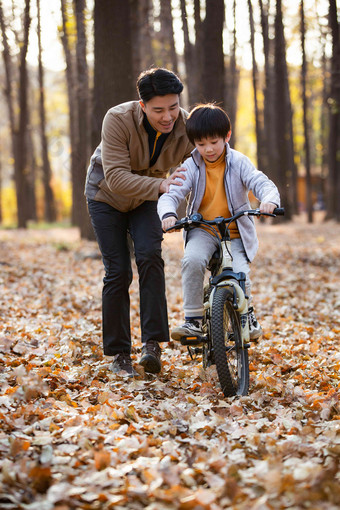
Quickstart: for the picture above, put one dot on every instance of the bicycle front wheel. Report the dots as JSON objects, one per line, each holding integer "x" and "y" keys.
{"x": 230, "y": 357}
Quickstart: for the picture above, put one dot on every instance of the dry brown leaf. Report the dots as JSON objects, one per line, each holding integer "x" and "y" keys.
{"x": 74, "y": 434}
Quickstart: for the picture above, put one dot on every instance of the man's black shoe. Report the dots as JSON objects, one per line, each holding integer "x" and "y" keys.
{"x": 151, "y": 357}
{"x": 122, "y": 362}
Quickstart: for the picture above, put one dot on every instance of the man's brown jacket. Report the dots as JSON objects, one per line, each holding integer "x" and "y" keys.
{"x": 119, "y": 172}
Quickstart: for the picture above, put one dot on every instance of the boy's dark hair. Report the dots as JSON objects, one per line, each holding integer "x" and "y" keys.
{"x": 207, "y": 120}
{"x": 157, "y": 81}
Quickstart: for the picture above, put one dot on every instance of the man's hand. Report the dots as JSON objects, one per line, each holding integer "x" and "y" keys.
{"x": 267, "y": 207}
{"x": 168, "y": 223}
{"x": 165, "y": 184}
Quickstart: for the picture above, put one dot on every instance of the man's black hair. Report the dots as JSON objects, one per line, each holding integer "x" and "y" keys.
{"x": 157, "y": 81}
{"x": 207, "y": 121}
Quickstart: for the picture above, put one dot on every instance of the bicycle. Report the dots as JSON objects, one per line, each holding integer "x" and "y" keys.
{"x": 225, "y": 341}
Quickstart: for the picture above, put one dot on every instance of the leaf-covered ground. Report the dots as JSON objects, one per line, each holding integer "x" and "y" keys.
{"x": 73, "y": 435}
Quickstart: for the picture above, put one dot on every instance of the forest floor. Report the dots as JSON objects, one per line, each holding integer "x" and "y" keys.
{"x": 73, "y": 435}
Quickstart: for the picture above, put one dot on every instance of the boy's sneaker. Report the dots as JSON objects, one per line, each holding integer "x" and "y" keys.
{"x": 190, "y": 328}
{"x": 255, "y": 330}
{"x": 122, "y": 363}
{"x": 151, "y": 357}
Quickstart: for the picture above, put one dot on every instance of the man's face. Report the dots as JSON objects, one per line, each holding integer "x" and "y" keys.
{"x": 162, "y": 112}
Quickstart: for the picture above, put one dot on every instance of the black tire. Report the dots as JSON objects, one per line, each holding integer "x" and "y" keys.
{"x": 231, "y": 359}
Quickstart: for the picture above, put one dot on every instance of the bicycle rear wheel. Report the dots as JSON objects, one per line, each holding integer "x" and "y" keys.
{"x": 230, "y": 357}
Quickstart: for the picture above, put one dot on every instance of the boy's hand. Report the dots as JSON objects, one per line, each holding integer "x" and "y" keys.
{"x": 165, "y": 184}
{"x": 267, "y": 207}
{"x": 168, "y": 223}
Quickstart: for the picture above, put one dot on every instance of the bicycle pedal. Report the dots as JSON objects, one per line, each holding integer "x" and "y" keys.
{"x": 191, "y": 340}
{"x": 194, "y": 352}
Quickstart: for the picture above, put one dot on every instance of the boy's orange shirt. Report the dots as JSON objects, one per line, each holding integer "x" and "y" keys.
{"x": 214, "y": 202}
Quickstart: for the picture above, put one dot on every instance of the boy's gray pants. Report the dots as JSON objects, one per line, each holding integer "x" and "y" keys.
{"x": 198, "y": 251}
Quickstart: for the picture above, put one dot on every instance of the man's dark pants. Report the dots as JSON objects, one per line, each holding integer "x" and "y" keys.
{"x": 111, "y": 227}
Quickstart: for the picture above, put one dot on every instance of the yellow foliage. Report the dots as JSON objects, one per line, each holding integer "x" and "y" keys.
{"x": 9, "y": 206}
{"x": 63, "y": 199}
{"x": 245, "y": 119}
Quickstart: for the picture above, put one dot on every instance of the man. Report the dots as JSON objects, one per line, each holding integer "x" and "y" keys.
{"x": 141, "y": 141}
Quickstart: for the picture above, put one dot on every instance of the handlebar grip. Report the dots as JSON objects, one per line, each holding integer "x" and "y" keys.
{"x": 279, "y": 211}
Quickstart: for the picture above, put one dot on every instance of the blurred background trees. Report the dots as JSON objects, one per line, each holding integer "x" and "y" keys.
{"x": 272, "y": 64}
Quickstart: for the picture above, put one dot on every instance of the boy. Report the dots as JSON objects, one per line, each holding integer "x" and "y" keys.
{"x": 218, "y": 179}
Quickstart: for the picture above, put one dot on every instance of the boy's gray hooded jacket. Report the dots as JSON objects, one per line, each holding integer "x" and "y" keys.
{"x": 240, "y": 177}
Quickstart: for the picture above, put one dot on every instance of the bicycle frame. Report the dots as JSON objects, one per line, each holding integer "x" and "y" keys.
{"x": 225, "y": 277}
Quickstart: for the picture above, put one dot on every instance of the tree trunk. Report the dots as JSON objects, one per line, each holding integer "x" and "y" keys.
{"x": 198, "y": 53}
{"x": 232, "y": 83}
{"x": 322, "y": 135}
{"x": 188, "y": 52}
{"x": 8, "y": 89}
{"x": 255, "y": 75}
{"x": 283, "y": 117}
{"x": 31, "y": 174}
{"x": 49, "y": 205}
{"x": 333, "y": 207}
{"x": 83, "y": 146}
{"x": 269, "y": 144}
{"x": 324, "y": 123}
{"x": 113, "y": 63}
{"x": 213, "y": 56}
{"x": 166, "y": 37}
{"x": 19, "y": 128}
{"x": 142, "y": 32}
{"x": 20, "y": 165}
{"x": 72, "y": 104}
{"x": 189, "y": 59}
{"x": 309, "y": 191}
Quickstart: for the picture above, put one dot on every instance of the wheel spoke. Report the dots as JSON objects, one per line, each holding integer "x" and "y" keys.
{"x": 231, "y": 359}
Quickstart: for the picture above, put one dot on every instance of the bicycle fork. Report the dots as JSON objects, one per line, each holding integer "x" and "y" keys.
{"x": 240, "y": 303}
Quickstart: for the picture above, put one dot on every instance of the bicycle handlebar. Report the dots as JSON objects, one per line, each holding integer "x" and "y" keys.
{"x": 279, "y": 211}
{"x": 197, "y": 218}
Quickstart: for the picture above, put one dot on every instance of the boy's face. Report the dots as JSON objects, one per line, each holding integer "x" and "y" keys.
{"x": 211, "y": 148}
{"x": 162, "y": 112}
